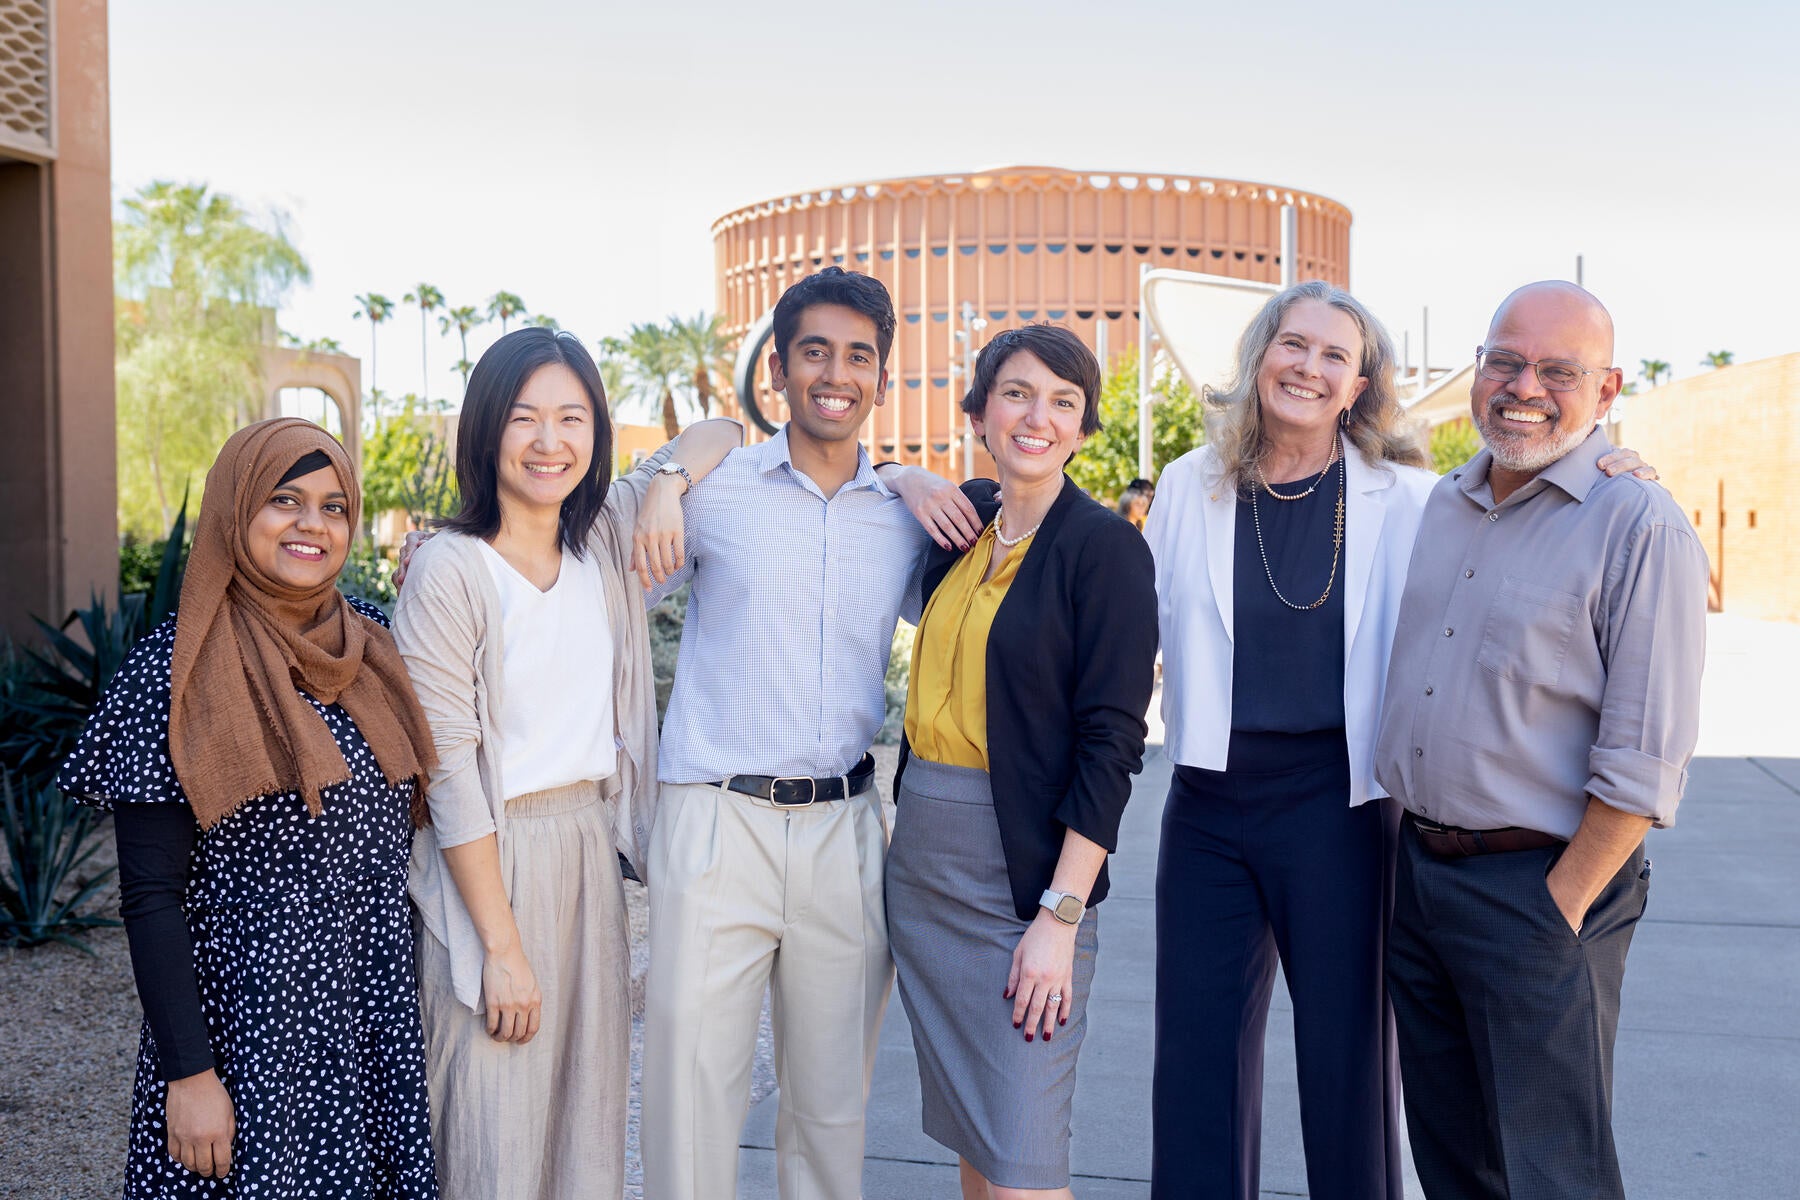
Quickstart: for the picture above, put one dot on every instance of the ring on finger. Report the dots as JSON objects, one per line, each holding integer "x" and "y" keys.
{"x": 1054, "y": 998}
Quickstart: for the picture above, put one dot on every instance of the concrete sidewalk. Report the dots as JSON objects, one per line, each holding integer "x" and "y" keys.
{"x": 1707, "y": 1086}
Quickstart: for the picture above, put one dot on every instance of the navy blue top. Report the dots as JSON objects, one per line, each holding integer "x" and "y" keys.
{"x": 1287, "y": 667}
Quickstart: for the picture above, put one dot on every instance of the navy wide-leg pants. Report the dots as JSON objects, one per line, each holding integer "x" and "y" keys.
{"x": 1266, "y": 860}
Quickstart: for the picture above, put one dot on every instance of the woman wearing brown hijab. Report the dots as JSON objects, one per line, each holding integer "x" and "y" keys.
{"x": 260, "y": 753}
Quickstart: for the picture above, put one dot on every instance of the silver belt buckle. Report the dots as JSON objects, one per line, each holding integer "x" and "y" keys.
{"x": 812, "y": 790}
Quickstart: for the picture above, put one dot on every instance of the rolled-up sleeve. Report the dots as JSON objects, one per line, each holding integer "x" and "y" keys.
{"x": 435, "y": 629}
{"x": 1115, "y": 665}
{"x": 1649, "y": 713}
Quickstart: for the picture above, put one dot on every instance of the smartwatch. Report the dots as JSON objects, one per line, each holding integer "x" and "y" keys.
{"x": 1064, "y": 907}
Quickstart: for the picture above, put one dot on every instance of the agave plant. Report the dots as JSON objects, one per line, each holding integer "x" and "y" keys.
{"x": 50, "y": 689}
{"x": 48, "y": 840}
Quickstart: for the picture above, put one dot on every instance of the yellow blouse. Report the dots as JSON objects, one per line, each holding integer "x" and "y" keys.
{"x": 946, "y": 700}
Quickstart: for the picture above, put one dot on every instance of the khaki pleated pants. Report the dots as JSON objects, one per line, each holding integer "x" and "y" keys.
{"x": 545, "y": 1120}
{"x": 745, "y": 896}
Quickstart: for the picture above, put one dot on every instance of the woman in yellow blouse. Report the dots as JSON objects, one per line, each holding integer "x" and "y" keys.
{"x": 1024, "y": 725}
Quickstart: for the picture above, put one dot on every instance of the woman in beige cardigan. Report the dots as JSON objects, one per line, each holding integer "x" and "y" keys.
{"x": 512, "y": 625}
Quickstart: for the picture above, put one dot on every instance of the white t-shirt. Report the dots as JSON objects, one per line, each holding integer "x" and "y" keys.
{"x": 556, "y": 710}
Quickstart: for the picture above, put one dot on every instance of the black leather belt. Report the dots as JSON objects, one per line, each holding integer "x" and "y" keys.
{"x": 798, "y": 791}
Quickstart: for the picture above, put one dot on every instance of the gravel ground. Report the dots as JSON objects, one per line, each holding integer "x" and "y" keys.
{"x": 68, "y": 1050}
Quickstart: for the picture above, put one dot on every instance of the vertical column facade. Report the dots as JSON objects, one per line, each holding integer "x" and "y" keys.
{"x": 1020, "y": 244}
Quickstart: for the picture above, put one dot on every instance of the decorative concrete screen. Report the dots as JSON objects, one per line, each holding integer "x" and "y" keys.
{"x": 990, "y": 250}
{"x": 25, "y": 78}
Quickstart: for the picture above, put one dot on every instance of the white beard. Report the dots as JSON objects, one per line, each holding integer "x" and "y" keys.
{"x": 1527, "y": 455}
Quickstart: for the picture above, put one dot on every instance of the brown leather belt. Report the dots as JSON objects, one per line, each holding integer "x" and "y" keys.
{"x": 1450, "y": 841}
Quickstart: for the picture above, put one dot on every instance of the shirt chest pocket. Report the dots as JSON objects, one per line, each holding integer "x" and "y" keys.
{"x": 1527, "y": 633}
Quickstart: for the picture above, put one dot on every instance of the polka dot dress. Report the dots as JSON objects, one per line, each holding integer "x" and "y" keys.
{"x": 303, "y": 948}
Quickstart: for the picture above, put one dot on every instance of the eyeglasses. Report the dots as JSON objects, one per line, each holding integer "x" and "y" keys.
{"x": 1556, "y": 374}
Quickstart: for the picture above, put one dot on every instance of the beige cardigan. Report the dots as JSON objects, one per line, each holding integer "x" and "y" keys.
{"x": 447, "y": 625}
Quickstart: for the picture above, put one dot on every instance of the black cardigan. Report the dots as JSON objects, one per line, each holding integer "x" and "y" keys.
{"x": 1070, "y": 669}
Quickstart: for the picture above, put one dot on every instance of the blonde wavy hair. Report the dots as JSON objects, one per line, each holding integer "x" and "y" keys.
{"x": 1375, "y": 424}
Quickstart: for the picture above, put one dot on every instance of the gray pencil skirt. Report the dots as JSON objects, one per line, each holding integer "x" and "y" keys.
{"x": 1000, "y": 1102}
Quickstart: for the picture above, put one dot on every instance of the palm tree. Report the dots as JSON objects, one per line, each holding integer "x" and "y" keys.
{"x": 377, "y": 308}
{"x": 613, "y": 361}
{"x": 542, "y": 321}
{"x": 702, "y": 339}
{"x": 655, "y": 365}
{"x": 1718, "y": 358}
{"x": 1655, "y": 369}
{"x": 462, "y": 320}
{"x": 502, "y": 307}
{"x": 427, "y": 298}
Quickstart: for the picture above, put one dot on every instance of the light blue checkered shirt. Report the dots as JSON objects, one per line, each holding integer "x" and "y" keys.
{"x": 793, "y": 608}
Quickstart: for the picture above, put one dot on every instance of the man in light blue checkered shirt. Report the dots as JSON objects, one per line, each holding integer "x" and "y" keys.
{"x": 765, "y": 867}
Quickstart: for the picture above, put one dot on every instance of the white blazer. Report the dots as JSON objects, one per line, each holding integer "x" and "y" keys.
{"x": 1191, "y": 531}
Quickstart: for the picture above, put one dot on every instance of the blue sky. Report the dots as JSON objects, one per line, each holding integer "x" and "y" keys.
{"x": 577, "y": 153}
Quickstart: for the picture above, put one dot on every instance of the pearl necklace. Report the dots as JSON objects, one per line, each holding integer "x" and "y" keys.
{"x": 1001, "y": 537}
{"x": 1329, "y": 463}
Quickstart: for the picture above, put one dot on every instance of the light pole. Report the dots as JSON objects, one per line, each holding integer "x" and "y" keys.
{"x": 1146, "y": 370}
{"x": 971, "y": 325}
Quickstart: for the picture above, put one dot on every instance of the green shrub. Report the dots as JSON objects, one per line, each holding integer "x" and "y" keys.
{"x": 48, "y": 840}
{"x": 369, "y": 575}
{"x": 1452, "y": 444}
{"x": 899, "y": 674}
{"x": 666, "y": 620}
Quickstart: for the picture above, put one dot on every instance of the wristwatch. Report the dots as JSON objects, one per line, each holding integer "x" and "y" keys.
{"x": 675, "y": 468}
{"x": 1064, "y": 907}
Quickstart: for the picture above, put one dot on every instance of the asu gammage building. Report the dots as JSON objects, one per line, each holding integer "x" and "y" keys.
{"x": 1017, "y": 244}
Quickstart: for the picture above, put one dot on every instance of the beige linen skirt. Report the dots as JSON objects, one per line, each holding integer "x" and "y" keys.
{"x": 546, "y": 1120}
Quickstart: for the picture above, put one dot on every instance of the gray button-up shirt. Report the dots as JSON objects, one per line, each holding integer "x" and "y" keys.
{"x": 795, "y": 598}
{"x": 1548, "y": 649}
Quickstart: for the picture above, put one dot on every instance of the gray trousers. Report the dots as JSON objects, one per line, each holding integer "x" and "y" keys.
{"x": 1507, "y": 1020}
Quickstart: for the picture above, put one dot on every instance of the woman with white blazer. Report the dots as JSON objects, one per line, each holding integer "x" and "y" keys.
{"x": 1281, "y": 553}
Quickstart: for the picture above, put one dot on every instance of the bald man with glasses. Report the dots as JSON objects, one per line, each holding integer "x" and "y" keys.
{"x": 1541, "y": 708}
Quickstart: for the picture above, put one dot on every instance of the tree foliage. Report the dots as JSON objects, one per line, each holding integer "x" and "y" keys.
{"x": 1452, "y": 444}
{"x": 703, "y": 342}
{"x": 503, "y": 307}
{"x": 656, "y": 371}
{"x": 1108, "y": 461}
{"x": 406, "y": 465}
{"x": 194, "y": 273}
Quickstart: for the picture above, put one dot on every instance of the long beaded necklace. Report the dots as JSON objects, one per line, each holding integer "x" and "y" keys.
{"x": 1337, "y": 533}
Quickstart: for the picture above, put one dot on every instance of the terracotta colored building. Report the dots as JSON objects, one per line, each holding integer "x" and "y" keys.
{"x": 1014, "y": 244}
{"x": 1725, "y": 442}
{"x": 57, "y": 455}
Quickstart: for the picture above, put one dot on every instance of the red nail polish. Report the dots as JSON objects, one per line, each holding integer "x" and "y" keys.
{"x": 1016, "y": 1024}
{"x": 1064, "y": 1021}
{"x": 1028, "y": 1037}
{"x": 1046, "y": 1035}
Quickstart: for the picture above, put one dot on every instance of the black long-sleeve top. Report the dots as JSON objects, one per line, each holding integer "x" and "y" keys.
{"x": 156, "y": 844}
{"x": 1070, "y": 669}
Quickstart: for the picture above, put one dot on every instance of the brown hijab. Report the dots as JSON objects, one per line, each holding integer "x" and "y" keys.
{"x": 244, "y": 642}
